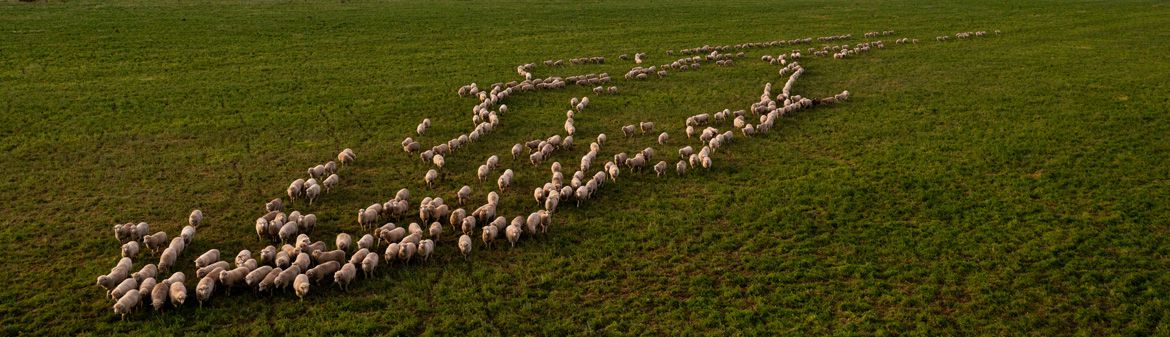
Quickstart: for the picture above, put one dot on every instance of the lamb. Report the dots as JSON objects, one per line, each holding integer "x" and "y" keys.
{"x": 207, "y": 258}
{"x": 370, "y": 264}
{"x": 130, "y": 249}
{"x": 425, "y": 249}
{"x": 344, "y": 276}
{"x": 312, "y": 192}
{"x": 127, "y": 303}
{"x": 489, "y": 235}
{"x": 178, "y": 293}
{"x": 343, "y": 241}
{"x": 323, "y": 270}
{"x": 663, "y": 138}
{"x": 204, "y": 289}
{"x": 430, "y": 177}
{"x": 195, "y": 218}
{"x": 513, "y": 234}
{"x": 465, "y": 245}
{"x": 464, "y": 194}
{"x": 301, "y": 285}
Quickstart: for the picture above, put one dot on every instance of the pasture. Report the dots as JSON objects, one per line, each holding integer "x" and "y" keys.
{"x": 1014, "y": 184}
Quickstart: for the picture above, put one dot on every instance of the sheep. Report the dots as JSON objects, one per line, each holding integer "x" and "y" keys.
{"x": 347, "y": 156}
{"x": 159, "y": 294}
{"x": 125, "y": 286}
{"x": 663, "y": 138}
{"x": 274, "y": 205}
{"x": 425, "y": 249}
{"x": 681, "y": 167}
{"x": 601, "y": 138}
{"x": 303, "y": 261}
{"x": 345, "y": 275}
{"x": 126, "y": 303}
{"x": 366, "y": 242}
{"x": 513, "y": 234}
{"x": 420, "y": 129}
{"x": 188, "y": 235}
{"x": 323, "y": 270}
{"x": 155, "y": 241}
{"x": 436, "y": 230}
{"x": 660, "y": 168}
{"x": 551, "y": 202}
{"x": 204, "y": 289}
{"x": 465, "y": 245}
{"x": 493, "y": 198}
{"x": 392, "y": 235}
{"x": 628, "y": 130}
{"x": 489, "y": 235}
{"x": 331, "y": 182}
{"x": 268, "y": 280}
{"x": 206, "y": 270}
{"x": 357, "y": 256}
{"x": 147, "y": 271}
{"x": 343, "y": 241}
{"x": 231, "y": 278}
{"x": 287, "y": 231}
{"x": 406, "y": 251}
{"x": 256, "y": 275}
{"x": 430, "y": 178}
{"x": 301, "y": 285}
{"x": 167, "y": 259}
{"x": 468, "y": 224}
{"x": 312, "y": 192}
{"x": 333, "y": 255}
{"x": 309, "y": 222}
{"x": 282, "y": 259}
{"x": 130, "y": 249}
{"x": 195, "y": 218}
{"x": 207, "y": 258}
{"x": 464, "y": 194}
{"x": 505, "y": 180}
{"x": 369, "y": 264}
{"x": 414, "y": 228}
{"x": 286, "y": 277}
{"x": 439, "y": 161}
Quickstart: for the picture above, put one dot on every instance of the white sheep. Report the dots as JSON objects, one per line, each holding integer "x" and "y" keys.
{"x": 628, "y": 130}
{"x": 343, "y": 241}
{"x": 312, "y": 192}
{"x": 601, "y": 138}
{"x": 513, "y": 234}
{"x": 660, "y": 168}
{"x": 681, "y": 167}
{"x": 331, "y": 182}
{"x": 344, "y": 276}
{"x": 663, "y": 138}
{"x": 301, "y": 285}
{"x": 464, "y": 194}
{"x": 123, "y": 287}
{"x": 370, "y": 264}
{"x": 195, "y": 218}
{"x": 517, "y": 150}
{"x": 489, "y": 235}
{"x": 431, "y": 176}
{"x": 177, "y": 293}
{"x": 188, "y": 235}
{"x": 505, "y": 180}
{"x": 159, "y": 294}
{"x": 367, "y": 241}
{"x": 425, "y": 249}
{"x": 127, "y": 302}
{"x": 204, "y": 289}
{"x": 211, "y": 256}
{"x": 406, "y": 251}
{"x": 130, "y": 249}
{"x": 465, "y": 245}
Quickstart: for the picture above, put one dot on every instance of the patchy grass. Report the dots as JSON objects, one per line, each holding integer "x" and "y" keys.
{"x": 1007, "y": 185}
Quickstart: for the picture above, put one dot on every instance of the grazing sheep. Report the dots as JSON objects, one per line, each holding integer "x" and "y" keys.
{"x": 301, "y": 285}
{"x": 231, "y": 278}
{"x": 406, "y": 251}
{"x": 425, "y": 249}
{"x": 147, "y": 271}
{"x": 343, "y": 241}
{"x": 628, "y": 130}
{"x": 308, "y": 222}
{"x": 505, "y": 180}
{"x": 204, "y": 290}
{"x": 660, "y": 168}
{"x": 681, "y": 167}
{"x": 366, "y": 242}
{"x": 439, "y": 161}
{"x": 166, "y": 260}
{"x": 357, "y": 256}
{"x": 517, "y": 150}
{"x": 646, "y": 127}
{"x": 287, "y": 232}
{"x": 274, "y": 205}
{"x": 207, "y": 258}
{"x": 465, "y": 245}
{"x": 345, "y": 275}
{"x": 204, "y": 271}
{"x": 436, "y": 230}
{"x": 333, "y": 255}
{"x": 663, "y": 138}
{"x": 195, "y": 218}
{"x": 464, "y": 194}
{"x": 513, "y": 234}
{"x": 601, "y": 139}
{"x": 369, "y": 264}
{"x": 155, "y": 241}
{"x": 430, "y": 177}
{"x": 285, "y": 278}
{"x": 126, "y": 303}
{"x": 312, "y": 192}
{"x": 267, "y": 282}
{"x": 347, "y": 156}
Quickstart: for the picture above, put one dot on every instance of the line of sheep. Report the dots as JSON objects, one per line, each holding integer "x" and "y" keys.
{"x": 302, "y": 264}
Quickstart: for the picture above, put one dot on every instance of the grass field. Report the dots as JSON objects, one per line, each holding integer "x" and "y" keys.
{"x": 1010, "y": 185}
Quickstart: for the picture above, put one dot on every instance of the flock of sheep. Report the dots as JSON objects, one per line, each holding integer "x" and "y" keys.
{"x": 292, "y": 259}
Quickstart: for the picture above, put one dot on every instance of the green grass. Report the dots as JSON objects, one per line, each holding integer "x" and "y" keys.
{"x": 1001, "y": 186}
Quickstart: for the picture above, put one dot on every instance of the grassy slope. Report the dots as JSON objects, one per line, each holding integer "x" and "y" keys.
{"x": 995, "y": 186}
